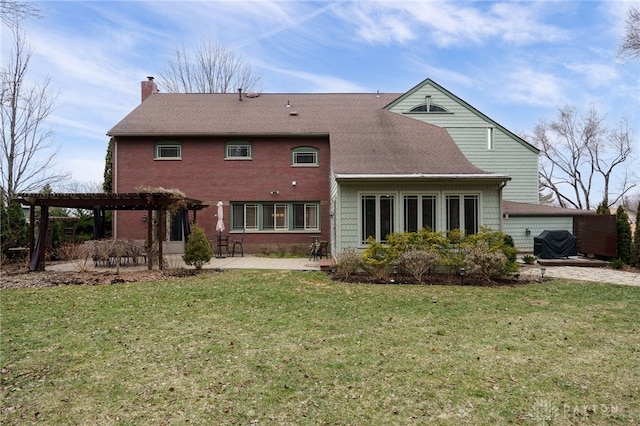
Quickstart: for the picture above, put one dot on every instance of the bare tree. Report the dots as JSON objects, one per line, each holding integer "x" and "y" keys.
{"x": 210, "y": 68}
{"x": 14, "y": 11}
{"x": 27, "y": 156}
{"x": 630, "y": 46}
{"x": 579, "y": 152}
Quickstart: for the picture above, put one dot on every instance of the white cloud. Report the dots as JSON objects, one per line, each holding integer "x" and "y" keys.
{"x": 447, "y": 24}
{"x": 595, "y": 74}
{"x": 528, "y": 86}
{"x": 318, "y": 83}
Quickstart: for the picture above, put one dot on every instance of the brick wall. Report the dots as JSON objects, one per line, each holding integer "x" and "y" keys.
{"x": 204, "y": 174}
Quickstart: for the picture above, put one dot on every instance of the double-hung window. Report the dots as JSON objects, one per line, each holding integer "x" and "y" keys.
{"x": 462, "y": 213}
{"x": 168, "y": 151}
{"x": 377, "y": 217}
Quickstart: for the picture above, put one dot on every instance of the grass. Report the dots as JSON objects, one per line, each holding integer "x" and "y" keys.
{"x": 282, "y": 347}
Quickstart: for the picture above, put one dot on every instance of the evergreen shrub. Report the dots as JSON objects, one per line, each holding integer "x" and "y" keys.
{"x": 197, "y": 251}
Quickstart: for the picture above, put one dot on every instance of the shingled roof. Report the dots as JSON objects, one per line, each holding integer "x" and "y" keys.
{"x": 513, "y": 208}
{"x": 365, "y": 139}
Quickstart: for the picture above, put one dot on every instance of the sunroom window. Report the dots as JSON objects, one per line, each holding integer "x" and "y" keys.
{"x": 462, "y": 213}
{"x": 377, "y": 217}
{"x": 419, "y": 212}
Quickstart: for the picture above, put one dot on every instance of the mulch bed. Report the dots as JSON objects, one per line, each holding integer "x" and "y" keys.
{"x": 439, "y": 279}
{"x": 14, "y": 276}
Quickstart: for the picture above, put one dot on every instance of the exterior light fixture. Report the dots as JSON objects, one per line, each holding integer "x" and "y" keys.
{"x": 462, "y": 274}
{"x": 542, "y": 271}
{"x": 144, "y": 218}
{"x": 528, "y": 232}
{"x": 394, "y": 271}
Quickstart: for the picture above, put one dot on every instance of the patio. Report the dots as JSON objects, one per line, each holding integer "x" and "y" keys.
{"x": 247, "y": 262}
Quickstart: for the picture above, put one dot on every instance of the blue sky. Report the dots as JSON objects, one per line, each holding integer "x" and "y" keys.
{"x": 516, "y": 61}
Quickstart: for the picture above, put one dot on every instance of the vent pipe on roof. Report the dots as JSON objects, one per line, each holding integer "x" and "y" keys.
{"x": 240, "y": 94}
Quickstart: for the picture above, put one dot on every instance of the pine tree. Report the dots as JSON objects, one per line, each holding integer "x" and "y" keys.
{"x": 623, "y": 228}
{"x": 603, "y": 208}
{"x": 197, "y": 251}
{"x": 13, "y": 227}
{"x": 107, "y": 184}
{"x": 635, "y": 248}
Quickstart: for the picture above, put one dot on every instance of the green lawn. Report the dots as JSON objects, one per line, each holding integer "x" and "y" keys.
{"x": 281, "y": 347}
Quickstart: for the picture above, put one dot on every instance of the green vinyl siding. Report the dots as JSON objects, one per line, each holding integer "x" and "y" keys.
{"x": 506, "y": 158}
{"x": 348, "y": 201}
{"x": 468, "y": 128}
{"x": 517, "y": 228}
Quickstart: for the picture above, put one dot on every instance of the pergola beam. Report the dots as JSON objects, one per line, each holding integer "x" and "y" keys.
{"x": 149, "y": 201}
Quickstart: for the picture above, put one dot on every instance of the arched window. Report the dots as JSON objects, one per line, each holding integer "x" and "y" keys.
{"x": 432, "y": 108}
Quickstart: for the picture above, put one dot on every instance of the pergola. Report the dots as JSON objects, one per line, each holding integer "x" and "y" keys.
{"x": 160, "y": 202}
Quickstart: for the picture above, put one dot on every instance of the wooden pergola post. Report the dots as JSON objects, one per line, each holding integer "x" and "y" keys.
{"x": 161, "y": 219}
{"x": 151, "y": 201}
{"x": 149, "y": 238}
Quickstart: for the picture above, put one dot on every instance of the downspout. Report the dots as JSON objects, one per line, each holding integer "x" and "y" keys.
{"x": 502, "y": 185}
{"x": 114, "y": 187}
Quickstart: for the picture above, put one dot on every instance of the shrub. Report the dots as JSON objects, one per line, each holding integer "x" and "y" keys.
{"x": 348, "y": 261}
{"x": 617, "y": 263}
{"x": 497, "y": 241}
{"x": 376, "y": 259}
{"x": 481, "y": 261}
{"x": 197, "y": 251}
{"x": 529, "y": 259}
{"x": 418, "y": 262}
{"x": 623, "y": 228}
{"x": 13, "y": 227}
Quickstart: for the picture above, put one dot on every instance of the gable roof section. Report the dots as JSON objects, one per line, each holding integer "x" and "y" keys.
{"x": 466, "y": 105}
{"x": 365, "y": 138}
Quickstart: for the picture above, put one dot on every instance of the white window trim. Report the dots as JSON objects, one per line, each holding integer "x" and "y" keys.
{"x": 395, "y": 224}
{"x": 305, "y": 150}
{"x": 438, "y": 199}
{"x": 491, "y": 145}
{"x": 238, "y": 144}
{"x": 289, "y": 220}
{"x": 460, "y": 194}
{"x": 160, "y": 145}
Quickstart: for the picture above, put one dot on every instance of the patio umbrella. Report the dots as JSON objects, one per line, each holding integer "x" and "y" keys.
{"x": 222, "y": 241}
{"x": 220, "y": 224}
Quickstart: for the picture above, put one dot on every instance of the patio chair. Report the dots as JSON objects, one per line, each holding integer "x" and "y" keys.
{"x": 323, "y": 250}
{"x": 238, "y": 242}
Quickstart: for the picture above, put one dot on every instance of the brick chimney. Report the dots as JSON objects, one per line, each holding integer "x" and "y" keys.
{"x": 148, "y": 88}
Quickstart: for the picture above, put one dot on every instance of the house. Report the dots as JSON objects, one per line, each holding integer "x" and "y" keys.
{"x": 492, "y": 147}
{"x": 290, "y": 168}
